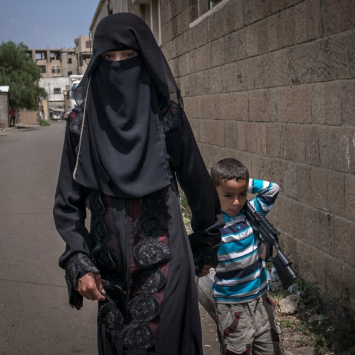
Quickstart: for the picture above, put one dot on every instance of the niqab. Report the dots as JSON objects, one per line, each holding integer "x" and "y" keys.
{"x": 122, "y": 145}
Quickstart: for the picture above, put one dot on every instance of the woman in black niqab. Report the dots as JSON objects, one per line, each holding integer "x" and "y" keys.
{"x": 126, "y": 146}
{"x": 121, "y": 151}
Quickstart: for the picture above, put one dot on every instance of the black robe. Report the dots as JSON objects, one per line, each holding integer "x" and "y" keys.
{"x": 152, "y": 299}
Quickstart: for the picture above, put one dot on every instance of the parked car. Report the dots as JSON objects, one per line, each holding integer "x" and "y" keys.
{"x": 55, "y": 115}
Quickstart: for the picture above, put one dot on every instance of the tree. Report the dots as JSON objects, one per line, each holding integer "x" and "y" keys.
{"x": 18, "y": 71}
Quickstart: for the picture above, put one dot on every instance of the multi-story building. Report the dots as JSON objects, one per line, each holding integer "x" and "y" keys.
{"x": 83, "y": 52}
{"x": 55, "y": 62}
{"x": 58, "y": 64}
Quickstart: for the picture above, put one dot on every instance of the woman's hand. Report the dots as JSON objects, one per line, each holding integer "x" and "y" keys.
{"x": 205, "y": 271}
{"x": 89, "y": 286}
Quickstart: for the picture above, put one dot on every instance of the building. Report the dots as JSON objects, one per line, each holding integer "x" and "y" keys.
{"x": 58, "y": 64}
{"x": 63, "y": 62}
{"x": 55, "y": 88}
{"x": 149, "y": 10}
{"x": 55, "y": 62}
{"x": 272, "y": 83}
{"x": 83, "y": 52}
{"x": 4, "y": 107}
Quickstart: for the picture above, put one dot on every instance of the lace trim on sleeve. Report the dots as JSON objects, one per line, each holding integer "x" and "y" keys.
{"x": 76, "y": 117}
{"x": 203, "y": 255}
{"x": 171, "y": 118}
{"x": 76, "y": 265}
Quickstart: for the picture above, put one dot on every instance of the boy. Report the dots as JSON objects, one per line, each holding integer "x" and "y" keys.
{"x": 245, "y": 314}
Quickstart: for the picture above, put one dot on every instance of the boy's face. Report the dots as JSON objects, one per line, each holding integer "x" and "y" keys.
{"x": 232, "y": 195}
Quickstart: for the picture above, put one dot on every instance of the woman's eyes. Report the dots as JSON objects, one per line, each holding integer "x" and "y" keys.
{"x": 110, "y": 56}
{"x": 243, "y": 195}
{"x": 129, "y": 55}
{"x": 227, "y": 196}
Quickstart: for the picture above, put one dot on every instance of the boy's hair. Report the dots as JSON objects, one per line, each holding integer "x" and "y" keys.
{"x": 229, "y": 169}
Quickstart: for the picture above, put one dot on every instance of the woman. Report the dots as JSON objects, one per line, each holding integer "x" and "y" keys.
{"x": 125, "y": 148}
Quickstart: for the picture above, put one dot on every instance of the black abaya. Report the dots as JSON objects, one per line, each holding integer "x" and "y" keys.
{"x": 176, "y": 327}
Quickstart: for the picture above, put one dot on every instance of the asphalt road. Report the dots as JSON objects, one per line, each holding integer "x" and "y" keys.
{"x": 35, "y": 318}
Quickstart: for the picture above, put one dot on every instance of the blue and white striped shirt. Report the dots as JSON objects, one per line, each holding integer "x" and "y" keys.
{"x": 241, "y": 275}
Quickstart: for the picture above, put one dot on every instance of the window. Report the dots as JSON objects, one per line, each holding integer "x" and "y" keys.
{"x": 204, "y": 5}
{"x": 212, "y": 4}
{"x": 69, "y": 61}
{"x": 152, "y": 16}
{"x": 53, "y": 70}
{"x": 58, "y": 69}
{"x": 56, "y": 91}
{"x": 43, "y": 68}
{"x": 88, "y": 44}
{"x": 70, "y": 73}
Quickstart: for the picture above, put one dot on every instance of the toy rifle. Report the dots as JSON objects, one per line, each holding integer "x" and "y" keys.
{"x": 269, "y": 235}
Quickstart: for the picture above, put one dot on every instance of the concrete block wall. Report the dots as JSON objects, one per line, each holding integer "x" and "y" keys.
{"x": 272, "y": 83}
{"x": 29, "y": 117}
{"x": 4, "y": 110}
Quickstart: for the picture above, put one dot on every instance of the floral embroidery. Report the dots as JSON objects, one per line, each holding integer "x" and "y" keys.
{"x": 150, "y": 252}
{"x": 148, "y": 281}
{"x": 111, "y": 316}
{"x": 76, "y": 122}
{"x": 138, "y": 336}
{"x": 171, "y": 119}
{"x": 144, "y": 308}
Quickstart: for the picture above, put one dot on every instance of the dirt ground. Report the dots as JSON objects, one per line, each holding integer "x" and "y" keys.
{"x": 293, "y": 342}
{"x": 210, "y": 341}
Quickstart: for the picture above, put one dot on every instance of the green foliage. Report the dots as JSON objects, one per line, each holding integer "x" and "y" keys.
{"x": 44, "y": 123}
{"x": 306, "y": 292}
{"x": 323, "y": 333}
{"x": 18, "y": 71}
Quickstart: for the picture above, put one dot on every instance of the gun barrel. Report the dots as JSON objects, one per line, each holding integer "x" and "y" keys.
{"x": 282, "y": 264}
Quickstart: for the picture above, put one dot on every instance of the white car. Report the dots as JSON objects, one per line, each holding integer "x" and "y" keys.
{"x": 56, "y": 115}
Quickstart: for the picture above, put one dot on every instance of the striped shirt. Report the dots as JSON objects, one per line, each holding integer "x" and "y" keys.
{"x": 241, "y": 275}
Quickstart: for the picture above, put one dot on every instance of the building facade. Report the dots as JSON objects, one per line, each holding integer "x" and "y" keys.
{"x": 83, "y": 52}
{"x": 272, "y": 83}
{"x": 4, "y": 107}
{"x": 55, "y": 88}
{"x": 54, "y": 62}
{"x": 148, "y": 10}
{"x": 58, "y": 64}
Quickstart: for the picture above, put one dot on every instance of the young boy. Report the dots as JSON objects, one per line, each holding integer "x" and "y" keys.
{"x": 245, "y": 313}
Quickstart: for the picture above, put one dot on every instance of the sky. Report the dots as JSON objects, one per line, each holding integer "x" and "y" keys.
{"x": 45, "y": 23}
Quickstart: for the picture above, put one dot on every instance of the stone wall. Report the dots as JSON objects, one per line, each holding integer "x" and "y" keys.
{"x": 28, "y": 117}
{"x": 4, "y": 110}
{"x": 271, "y": 83}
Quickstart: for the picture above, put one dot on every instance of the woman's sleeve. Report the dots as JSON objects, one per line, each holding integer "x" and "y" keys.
{"x": 201, "y": 194}
{"x": 69, "y": 216}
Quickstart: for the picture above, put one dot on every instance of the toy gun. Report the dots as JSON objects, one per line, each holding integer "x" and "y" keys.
{"x": 269, "y": 235}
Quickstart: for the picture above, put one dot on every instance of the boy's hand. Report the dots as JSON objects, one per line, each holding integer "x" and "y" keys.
{"x": 205, "y": 271}
{"x": 263, "y": 254}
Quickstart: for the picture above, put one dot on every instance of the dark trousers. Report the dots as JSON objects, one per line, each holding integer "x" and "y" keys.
{"x": 12, "y": 121}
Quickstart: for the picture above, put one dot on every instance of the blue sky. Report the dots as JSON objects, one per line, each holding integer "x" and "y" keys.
{"x": 45, "y": 23}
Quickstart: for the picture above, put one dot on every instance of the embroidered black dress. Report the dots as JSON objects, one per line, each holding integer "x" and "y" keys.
{"x": 140, "y": 247}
